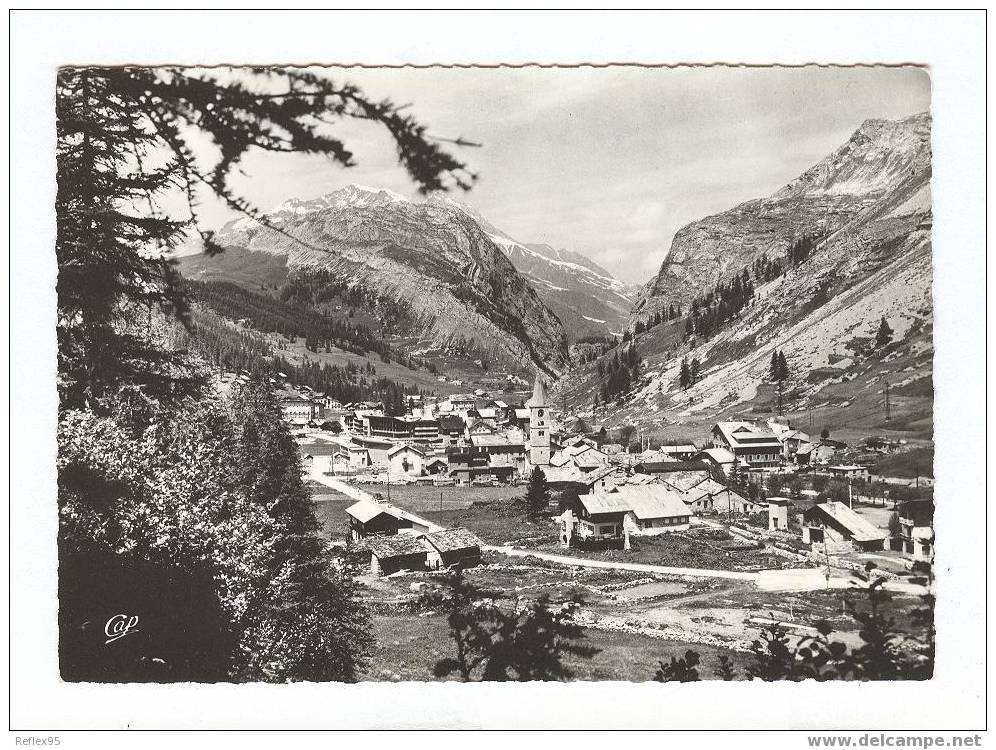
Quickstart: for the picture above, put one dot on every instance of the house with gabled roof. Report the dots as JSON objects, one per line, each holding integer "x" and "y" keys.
{"x": 835, "y": 524}
{"x": 449, "y": 547}
{"x": 406, "y": 459}
{"x": 753, "y": 445}
{"x": 391, "y": 554}
{"x": 709, "y": 495}
{"x": 648, "y": 510}
{"x": 369, "y": 518}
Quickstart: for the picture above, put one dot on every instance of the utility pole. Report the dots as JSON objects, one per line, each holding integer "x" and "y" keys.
{"x": 887, "y": 405}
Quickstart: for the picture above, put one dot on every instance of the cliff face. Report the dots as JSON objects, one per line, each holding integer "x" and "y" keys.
{"x": 869, "y": 206}
{"x": 431, "y": 257}
{"x": 586, "y": 297}
{"x": 852, "y": 185}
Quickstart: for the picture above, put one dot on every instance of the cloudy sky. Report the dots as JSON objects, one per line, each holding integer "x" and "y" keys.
{"x": 610, "y": 162}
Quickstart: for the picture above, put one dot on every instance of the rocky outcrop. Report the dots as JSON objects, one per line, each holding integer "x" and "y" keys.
{"x": 869, "y": 203}
{"x": 854, "y": 185}
{"x": 429, "y": 256}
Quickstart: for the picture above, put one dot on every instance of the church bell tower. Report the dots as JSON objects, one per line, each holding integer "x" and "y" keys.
{"x": 540, "y": 422}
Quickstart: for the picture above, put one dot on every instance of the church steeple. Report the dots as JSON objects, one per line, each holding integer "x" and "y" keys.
{"x": 540, "y": 422}
{"x": 539, "y": 392}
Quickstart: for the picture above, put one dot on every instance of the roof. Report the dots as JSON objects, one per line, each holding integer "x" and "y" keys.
{"x": 657, "y": 501}
{"x": 640, "y": 479}
{"x": 396, "y": 546}
{"x": 719, "y": 455}
{"x": 859, "y": 528}
{"x": 683, "y": 480}
{"x": 539, "y": 392}
{"x": 681, "y": 448}
{"x": 705, "y": 487}
{"x": 493, "y": 441}
{"x": 569, "y": 473}
{"x": 450, "y": 423}
{"x": 921, "y": 512}
{"x": 450, "y": 540}
{"x": 601, "y": 473}
{"x": 779, "y": 501}
{"x": 744, "y": 434}
{"x": 401, "y": 446}
{"x": 666, "y": 467}
{"x": 522, "y": 413}
{"x": 366, "y": 509}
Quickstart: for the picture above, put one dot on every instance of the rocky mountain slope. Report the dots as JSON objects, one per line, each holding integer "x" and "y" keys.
{"x": 869, "y": 206}
{"x": 586, "y": 297}
{"x": 430, "y": 258}
{"x": 880, "y": 159}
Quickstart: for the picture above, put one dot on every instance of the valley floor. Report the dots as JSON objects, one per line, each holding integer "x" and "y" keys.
{"x": 637, "y": 611}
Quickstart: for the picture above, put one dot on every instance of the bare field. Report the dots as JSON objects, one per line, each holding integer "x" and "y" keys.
{"x": 407, "y": 647}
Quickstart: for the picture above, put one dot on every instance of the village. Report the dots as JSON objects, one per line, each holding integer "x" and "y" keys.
{"x": 690, "y": 542}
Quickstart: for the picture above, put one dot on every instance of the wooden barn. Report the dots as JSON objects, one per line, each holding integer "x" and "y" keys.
{"x": 451, "y": 547}
{"x": 390, "y": 554}
{"x": 369, "y": 518}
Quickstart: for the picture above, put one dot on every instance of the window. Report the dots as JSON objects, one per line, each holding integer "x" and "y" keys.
{"x": 541, "y": 433}
{"x": 539, "y": 413}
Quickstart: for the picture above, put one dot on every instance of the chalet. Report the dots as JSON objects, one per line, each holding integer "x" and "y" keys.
{"x": 409, "y": 430}
{"x": 477, "y": 427}
{"x": 405, "y": 459}
{"x": 916, "y": 519}
{"x": 501, "y": 451}
{"x": 436, "y": 465}
{"x": 753, "y": 445}
{"x": 719, "y": 458}
{"x": 679, "y": 452}
{"x": 637, "y": 510}
{"x": 451, "y": 430}
{"x": 463, "y": 403}
{"x": 612, "y": 449}
{"x": 603, "y": 480}
{"x": 819, "y": 453}
{"x": 391, "y": 554}
{"x": 586, "y": 456}
{"x": 298, "y": 410}
{"x": 470, "y": 465}
{"x": 451, "y": 547}
{"x": 709, "y": 495}
{"x": 835, "y": 525}
{"x": 849, "y": 472}
{"x": 369, "y": 518}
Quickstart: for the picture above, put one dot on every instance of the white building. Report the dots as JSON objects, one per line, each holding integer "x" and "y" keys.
{"x": 406, "y": 459}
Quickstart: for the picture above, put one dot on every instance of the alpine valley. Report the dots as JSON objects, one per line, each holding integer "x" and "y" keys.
{"x": 810, "y": 272}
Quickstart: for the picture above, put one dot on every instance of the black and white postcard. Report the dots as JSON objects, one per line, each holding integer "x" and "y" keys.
{"x": 372, "y": 379}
